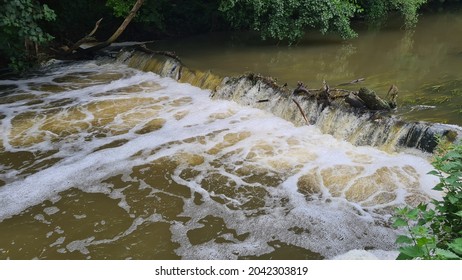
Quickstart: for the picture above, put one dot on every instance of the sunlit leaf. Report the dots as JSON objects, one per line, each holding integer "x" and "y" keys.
{"x": 403, "y": 239}
{"x": 456, "y": 246}
{"x": 399, "y": 222}
{"x": 447, "y": 254}
{"x": 413, "y": 251}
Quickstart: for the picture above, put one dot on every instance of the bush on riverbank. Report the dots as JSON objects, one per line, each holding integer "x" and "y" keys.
{"x": 21, "y": 31}
{"x": 434, "y": 230}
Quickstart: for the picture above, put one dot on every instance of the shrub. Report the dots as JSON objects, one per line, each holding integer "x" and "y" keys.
{"x": 20, "y": 30}
{"x": 434, "y": 230}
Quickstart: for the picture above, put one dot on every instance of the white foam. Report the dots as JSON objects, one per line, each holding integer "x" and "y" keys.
{"x": 234, "y": 137}
{"x": 51, "y": 210}
{"x": 368, "y": 255}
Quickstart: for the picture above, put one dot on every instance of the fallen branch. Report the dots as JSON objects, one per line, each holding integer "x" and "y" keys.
{"x": 85, "y": 39}
{"x": 301, "y": 89}
{"x": 116, "y": 34}
{"x": 301, "y": 111}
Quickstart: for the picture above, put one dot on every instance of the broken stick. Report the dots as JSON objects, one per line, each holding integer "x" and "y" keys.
{"x": 301, "y": 111}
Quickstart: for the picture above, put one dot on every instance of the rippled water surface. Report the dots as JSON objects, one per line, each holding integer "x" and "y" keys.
{"x": 102, "y": 161}
{"x": 426, "y": 64}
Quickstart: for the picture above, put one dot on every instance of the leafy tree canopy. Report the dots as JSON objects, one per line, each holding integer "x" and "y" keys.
{"x": 376, "y": 11}
{"x": 30, "y": 22}
{"x": 281, "y": 19}
{"x": 20, "y": 28}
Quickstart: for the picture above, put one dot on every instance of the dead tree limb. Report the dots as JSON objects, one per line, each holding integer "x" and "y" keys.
{"x": 118, "y": 32}
{"x": 301, "y": 111}
{"x": 125, "y": 23}
{"x": 85, "y": 39}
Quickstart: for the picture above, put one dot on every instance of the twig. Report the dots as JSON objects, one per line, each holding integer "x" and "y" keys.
{"x": 352, "y": 82}
{"x": 301, "y": 111}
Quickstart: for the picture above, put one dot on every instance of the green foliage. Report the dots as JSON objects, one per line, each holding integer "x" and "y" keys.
{"x": 179, "y": 17}
{"x": 288, "y": 19}
{"x": 75, "y": 19}
{"x": 150, "y": 13}
{"x": 120, "y": 7}
{"x": 376, "y": 11}
{"x": 20, "y": 29}
{"x": 435, "y": 230}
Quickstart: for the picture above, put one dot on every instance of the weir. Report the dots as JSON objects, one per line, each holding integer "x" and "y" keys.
{"x": 376, "y": 128}
{"x": 98, "y": 156}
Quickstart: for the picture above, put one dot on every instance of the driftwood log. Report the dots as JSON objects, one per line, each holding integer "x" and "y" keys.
{"x": 363, "y": 99}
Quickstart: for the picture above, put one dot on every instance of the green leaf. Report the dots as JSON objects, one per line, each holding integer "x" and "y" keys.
{"x": 452, "y": 198}
{"x": 422, "y": 207}
{"x": 434, "y": 172}
{"x": 399, "y": 222}
{"x": 447, "y": 254}
{"x": 412, "y": 251}
{"x": 412, "y": 215}
{"x": 459, "y": 213}
{"x": 403, "y": 239}
{"x": 425, "y": 241}
{"x": 456, "y": 246}
{"x": 438, "y": 187}
{"x": 428, "y": 215}
{"x": 403, "y": 256}
{"x": 420, "y": 230}
{"x": 453, "y": 155}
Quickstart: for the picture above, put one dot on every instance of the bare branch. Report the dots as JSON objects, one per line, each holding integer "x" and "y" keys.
{"x": 301, "y": 111}
{"x": 85, "y": 39}
{"x": 118, "y": 32}
{"x": 125, "y": 23}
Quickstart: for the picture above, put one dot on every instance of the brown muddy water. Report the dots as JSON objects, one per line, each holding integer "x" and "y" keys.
{"x": 101, "y": 161}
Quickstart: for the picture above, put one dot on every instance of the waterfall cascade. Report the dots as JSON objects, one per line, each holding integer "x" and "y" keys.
{"x": 358, "y": 126}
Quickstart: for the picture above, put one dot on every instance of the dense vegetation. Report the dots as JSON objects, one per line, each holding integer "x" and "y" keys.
{"x": 21, "y": 32}
{"x": 434, "y": 231}
{"x": 27, "y": 25}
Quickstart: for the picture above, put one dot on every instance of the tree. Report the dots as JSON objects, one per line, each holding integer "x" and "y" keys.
{"x": 288, "y": 20}
{"x": 136, "y": 6}
{"x": 20, "y": 30}
{"x": 376, "y": 11}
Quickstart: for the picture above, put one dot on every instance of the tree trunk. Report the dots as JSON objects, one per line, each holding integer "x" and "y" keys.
{"x": 117, "y": 33}
{"x": 127, "y": 20}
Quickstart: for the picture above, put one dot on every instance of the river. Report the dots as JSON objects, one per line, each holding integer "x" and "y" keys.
{"x": 424, "y": 64}
{"x": 103, "y": 161}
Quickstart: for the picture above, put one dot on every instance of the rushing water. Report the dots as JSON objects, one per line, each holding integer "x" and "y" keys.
{"x": 426, "y": 65}
{"x": 103, "y": 161}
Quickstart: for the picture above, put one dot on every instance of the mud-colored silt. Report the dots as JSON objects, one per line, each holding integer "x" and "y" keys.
{"x": 102, "y": 161}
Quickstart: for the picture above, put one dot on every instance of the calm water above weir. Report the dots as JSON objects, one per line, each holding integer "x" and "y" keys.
{"x": 101, "y": 161}
{"x": 425, "y": 65}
